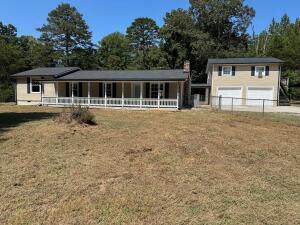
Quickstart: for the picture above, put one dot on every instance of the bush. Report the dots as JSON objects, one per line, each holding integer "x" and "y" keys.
{"x": 78, "y": 114}
{"x": 83, "y": 115}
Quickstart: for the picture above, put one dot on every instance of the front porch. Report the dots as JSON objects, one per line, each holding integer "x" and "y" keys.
{"x": 116, "y": 94}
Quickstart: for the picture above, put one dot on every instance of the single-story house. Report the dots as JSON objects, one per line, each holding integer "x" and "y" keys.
{"x": 67, "y": 86}
{"x": 242, "y": 81}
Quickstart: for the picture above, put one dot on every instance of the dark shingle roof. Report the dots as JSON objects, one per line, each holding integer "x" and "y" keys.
{"x": 48, "y": 71}
{"x": 253, "y": 60}
{"x": 127, "y": 75}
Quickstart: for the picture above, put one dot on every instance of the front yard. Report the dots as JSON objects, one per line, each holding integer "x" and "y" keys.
{"x": 149, "y": 167}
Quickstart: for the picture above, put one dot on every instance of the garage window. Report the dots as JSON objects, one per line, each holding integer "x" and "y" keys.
{"x": 260, "y": 71}
{"x": 227, "y": 70}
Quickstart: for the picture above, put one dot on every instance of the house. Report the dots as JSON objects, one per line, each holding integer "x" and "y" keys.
{"x": 238, "y": 81}
{"x": 241, "y": 81}
{"x": 67, "y": 86}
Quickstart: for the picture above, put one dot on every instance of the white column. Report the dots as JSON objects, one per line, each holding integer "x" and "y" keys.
{"x": 122, "y": 94}
{"x": 105, "y": 93}
{"x": 89, "y": 93}
{"x": 158, "y": 96}
{"x": 42, "y": 92}
{"x": 56, "y": 92}
{"x": 177, "y": 95}
{"x": 141, "y": 94}
{"x": 72, "y": 93}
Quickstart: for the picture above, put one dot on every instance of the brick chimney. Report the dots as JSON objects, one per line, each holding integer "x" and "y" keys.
{"x": 186, "y": 67}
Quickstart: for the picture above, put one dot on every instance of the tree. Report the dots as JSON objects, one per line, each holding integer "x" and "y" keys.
{"x": 66, "y": 31}
{"x": 210, "y": 28}
{"x": 281, "y": 40}
{"x": 143, "y": 34}
{"x": 226, "y": 21}
{"x": 114, "y": 52}
{"x": 35, "y": 53}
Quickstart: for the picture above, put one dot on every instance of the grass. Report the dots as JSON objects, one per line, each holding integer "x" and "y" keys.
{"x": 149, "y": 167}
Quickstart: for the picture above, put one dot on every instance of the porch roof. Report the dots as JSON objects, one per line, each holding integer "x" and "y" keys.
{"x": 126, "y": 75}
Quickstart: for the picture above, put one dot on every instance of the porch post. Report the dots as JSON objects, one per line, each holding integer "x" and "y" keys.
{"x": 72, "y": 93}
{"x": 206, "y": 95}
{"x": 141, "y": 94}
{"x": 158, "y": 95}
{"x": 122, "y": 94}
{"x": 89, "y": 92}
{"x": 42, "y": 92}
{"x": 56, "y": 92}
{"x": 105, "y": 93}
{"x": 177, "y": 95}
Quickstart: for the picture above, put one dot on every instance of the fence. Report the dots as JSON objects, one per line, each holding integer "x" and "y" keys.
{"x": 243, "y": 104}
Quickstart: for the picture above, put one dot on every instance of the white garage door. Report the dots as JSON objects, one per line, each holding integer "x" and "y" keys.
{"x": 228, "y": 93}
{"x": 259, "y": 94}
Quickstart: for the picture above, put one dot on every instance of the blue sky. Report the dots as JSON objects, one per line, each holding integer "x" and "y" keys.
{"x": 106, "y": 16}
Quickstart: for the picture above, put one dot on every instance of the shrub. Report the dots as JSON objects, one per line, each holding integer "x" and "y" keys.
{"x": 78, "y": 114}
{"x": 83, "y": 115}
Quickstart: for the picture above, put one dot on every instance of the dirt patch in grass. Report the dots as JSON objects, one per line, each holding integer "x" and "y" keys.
{"x": 148, "y": 167}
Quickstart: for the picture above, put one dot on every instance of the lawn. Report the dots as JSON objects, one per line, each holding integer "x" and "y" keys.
{"x": 149, "y": 167}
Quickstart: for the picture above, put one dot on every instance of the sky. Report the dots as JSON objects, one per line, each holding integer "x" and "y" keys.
{"x": 107, "y": 16}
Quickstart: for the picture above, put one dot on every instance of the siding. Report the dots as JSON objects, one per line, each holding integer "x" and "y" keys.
{"x": 244, "y": 79}
{"x": 23, "y": 98}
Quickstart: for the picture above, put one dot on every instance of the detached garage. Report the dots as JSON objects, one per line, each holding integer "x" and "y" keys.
{"x": 256, "y": 95}
{"x": 228, "y": 93}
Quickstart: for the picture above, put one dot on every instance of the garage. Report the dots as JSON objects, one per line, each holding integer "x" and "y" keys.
{"x": 260, "y": 93}
{"x": 228, "y": 93}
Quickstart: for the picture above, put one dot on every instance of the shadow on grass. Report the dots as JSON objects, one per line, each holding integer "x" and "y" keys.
{"x": 13, "y": 119}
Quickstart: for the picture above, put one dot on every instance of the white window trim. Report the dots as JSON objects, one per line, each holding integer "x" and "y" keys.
{"x": 227, "y": 74}
{"x": 264, "y": 73}
{"x": 35, "y": 92}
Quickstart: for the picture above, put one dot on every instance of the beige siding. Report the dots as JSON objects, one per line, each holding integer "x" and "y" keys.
{"x": 94, "y": 89}
{"x": 173, "y": 90}
{"x": 244, "y": 79}
{"x": 62, "y": 89}
{"x": 49, "y": 89}
{"x": 23, "y": 98}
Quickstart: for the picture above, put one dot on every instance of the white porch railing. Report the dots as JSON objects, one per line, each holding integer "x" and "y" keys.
{"x": 111, "y": 102}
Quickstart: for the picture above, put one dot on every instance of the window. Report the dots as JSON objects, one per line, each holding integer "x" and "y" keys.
{"x": 35, "y": 86}
{"x": 154, "y": 90}
{"x": 109, "y": 90}
{"x": 75, "y": 89}
{"x": 260, "y": 71}
{"x": 227, "y": 70}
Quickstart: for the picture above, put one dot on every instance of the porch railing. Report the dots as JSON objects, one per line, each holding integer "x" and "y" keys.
{"x": 112, "y": 102}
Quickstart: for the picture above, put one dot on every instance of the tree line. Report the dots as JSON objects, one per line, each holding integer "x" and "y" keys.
{"x": 208, "y": 28}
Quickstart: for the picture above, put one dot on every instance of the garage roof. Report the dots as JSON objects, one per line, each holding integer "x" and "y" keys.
{"x": 252, "y": 60}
